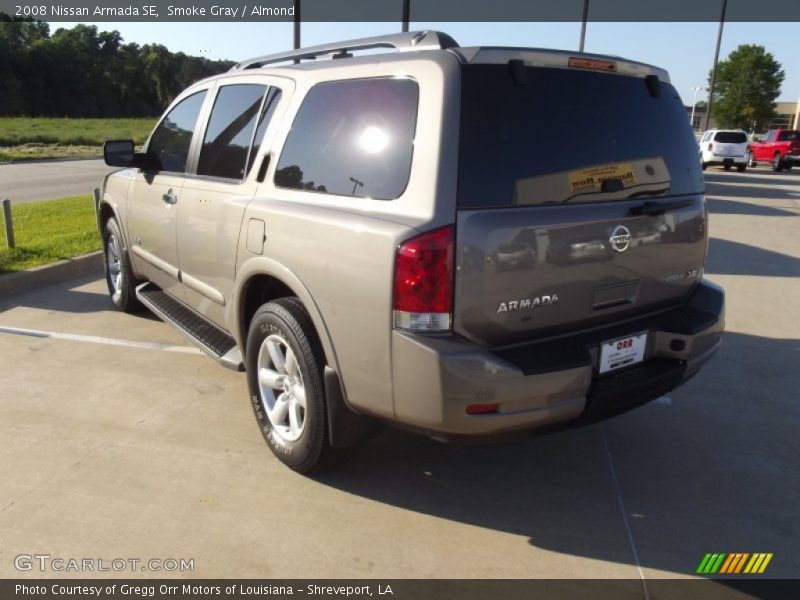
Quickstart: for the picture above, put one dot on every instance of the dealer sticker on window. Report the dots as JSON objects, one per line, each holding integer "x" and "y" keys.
{"x": 622, "y": 352}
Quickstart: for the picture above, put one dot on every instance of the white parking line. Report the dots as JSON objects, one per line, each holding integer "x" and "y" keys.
{"x": 93, "y": 339}
{"x": 621, "y": 503}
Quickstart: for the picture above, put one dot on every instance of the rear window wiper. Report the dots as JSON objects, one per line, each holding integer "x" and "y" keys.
{"x": 652, "y": 208}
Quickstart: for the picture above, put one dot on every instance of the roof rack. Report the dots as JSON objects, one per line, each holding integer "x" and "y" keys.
{"x": 401, "y": 42}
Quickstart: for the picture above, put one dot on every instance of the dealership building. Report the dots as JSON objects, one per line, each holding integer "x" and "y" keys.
{"x": 787, "y": 116}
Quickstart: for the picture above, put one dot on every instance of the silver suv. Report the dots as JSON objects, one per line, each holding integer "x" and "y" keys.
{"x": 465, "y": 242}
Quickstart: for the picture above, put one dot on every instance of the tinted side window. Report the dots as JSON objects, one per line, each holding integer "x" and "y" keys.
{"x": 169, "y": 145}
{"x": 790, "y": 136}
{"x": 353, "y": 138}
{"x": 230, "y": 131}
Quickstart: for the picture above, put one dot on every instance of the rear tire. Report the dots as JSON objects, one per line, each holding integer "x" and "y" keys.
{"x": 777, "y": 162}
{"x": 119, "y": 276}
{"x": 285, "y": 366}
{"x": 704, "y": 165}
{"x": 741, "y": 168}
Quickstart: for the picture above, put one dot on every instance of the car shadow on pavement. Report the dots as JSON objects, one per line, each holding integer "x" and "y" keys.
{"x": 67, "y": 297}
{"x": 734, "y": 258}
{"x": 733, "y": 207}
{"x": 713, "y": 469}
{"x": 775, "y": 178}
{"x": 752, "y": 193}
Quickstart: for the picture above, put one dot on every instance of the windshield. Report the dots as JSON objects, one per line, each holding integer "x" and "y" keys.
{"x": 568, "y": 135}
{"x": 731, "y": 137}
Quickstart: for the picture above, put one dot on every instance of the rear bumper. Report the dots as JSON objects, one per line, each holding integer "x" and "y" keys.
{"x": 553, "y": 383}
{"x": 726, "y": 160}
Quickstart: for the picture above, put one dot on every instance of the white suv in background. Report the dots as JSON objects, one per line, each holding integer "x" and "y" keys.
{"x": 726, "y": 147}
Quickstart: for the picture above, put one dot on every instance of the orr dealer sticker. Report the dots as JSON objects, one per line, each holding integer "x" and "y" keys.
{"x": 622, "y": 352}
{"x": 591, "y": 179}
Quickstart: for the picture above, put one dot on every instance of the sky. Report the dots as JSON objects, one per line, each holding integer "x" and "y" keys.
{"x": 686, "y": 50}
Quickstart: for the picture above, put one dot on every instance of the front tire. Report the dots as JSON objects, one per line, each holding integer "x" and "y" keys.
{"x": 119, "y": 275}
{"x": 741, "y": 168}
{"x": 285, "y": 365}
{"x": 777, "y": 162}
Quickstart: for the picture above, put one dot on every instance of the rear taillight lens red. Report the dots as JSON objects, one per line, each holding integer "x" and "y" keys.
{"x": 710, "y": 147}
{"x": 423, "y": 282}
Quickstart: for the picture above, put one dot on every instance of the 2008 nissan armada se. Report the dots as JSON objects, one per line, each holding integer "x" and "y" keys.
{"x": 466, "y": 242}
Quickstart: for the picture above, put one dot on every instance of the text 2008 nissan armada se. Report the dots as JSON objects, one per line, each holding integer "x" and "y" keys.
{"x": 467, "y": 242}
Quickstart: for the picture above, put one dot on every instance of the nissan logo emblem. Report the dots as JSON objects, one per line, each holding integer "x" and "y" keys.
{"x": 620, "y": 238}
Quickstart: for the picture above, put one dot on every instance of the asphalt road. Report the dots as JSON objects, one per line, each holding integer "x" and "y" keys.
{"x": 27, "y": 182}
{"x": 118, "y": 440}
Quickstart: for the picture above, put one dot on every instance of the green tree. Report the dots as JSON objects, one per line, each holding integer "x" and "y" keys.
{"x": 748, "y": 83}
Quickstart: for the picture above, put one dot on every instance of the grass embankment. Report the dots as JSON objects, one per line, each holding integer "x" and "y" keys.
{"x": 34, "y": 138}
{"x": 49, "y": 231}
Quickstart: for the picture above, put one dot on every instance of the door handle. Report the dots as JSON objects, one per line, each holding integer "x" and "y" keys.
{"x": 170, "y": 198}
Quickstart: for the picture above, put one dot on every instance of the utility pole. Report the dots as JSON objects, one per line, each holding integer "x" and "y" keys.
{"x": 716, "y": 60}
{"x": 406, "y": 14}
{"x": 583, "y": 24}
{"x": 296, "y": 25}
{"x": 694, "y": 102}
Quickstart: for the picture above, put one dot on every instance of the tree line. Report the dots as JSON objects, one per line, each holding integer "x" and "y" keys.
{"x": 83, "y": 72}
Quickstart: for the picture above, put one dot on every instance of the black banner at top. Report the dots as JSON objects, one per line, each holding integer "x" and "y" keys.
{"x": 393, "y": 10}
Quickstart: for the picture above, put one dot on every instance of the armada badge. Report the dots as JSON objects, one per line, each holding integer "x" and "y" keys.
{"x": 527, "y": 303}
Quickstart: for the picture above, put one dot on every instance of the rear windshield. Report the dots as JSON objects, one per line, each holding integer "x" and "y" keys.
{"x": 789, "y": 136}
{"x": 731, "y": 137}
{"x": 566, "y": 135}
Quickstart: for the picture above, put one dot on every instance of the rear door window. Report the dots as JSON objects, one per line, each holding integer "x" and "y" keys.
{"x": 352, "y": 138}
{"x": 168, "y": 149}
{"x": 731, "y": 137}
{"x": 229, "y": 135}
{"x": 789, "y": 136}
{"x": 566, "y": 135}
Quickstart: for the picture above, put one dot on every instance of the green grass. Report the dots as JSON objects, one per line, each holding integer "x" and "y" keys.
{"x": 30, "y": 138}
{"x": 72, "y": 132}
{"x": 37, "y": 151}
{"x": 49, "y": 231}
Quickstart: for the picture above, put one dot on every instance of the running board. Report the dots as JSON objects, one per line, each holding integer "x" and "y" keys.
{"x": 197, "y": 329}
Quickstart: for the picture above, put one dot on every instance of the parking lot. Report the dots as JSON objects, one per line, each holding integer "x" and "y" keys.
{"x": 121, "y": 441}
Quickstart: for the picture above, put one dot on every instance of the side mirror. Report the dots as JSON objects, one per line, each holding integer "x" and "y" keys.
{"x": 121, "y": 153}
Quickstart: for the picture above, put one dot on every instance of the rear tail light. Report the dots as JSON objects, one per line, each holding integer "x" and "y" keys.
{"x": 423, "y": 282}
{"x": 482, "y": 409}
{"x": 710, "y": 147}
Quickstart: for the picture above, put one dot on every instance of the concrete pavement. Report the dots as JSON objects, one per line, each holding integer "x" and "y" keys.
{"x": 112, "y": 450}
{"x": 27, "y": 182}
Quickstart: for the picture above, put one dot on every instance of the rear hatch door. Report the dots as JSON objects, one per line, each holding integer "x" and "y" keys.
{"x": 729, "y": 144}
{"x": 580, "y": 202}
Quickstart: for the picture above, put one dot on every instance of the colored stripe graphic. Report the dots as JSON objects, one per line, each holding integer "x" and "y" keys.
{"x": 703, "y": 563}
{"x": 733, "y": 563}
{"x": 741, "y": 563}
{"x": 729, "y": 563}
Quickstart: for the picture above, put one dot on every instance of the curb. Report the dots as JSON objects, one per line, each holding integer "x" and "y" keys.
{"x": 63, "y": 270}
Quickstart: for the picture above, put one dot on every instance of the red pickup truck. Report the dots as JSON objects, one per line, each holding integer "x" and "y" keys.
{"x": 779, "y": 147}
